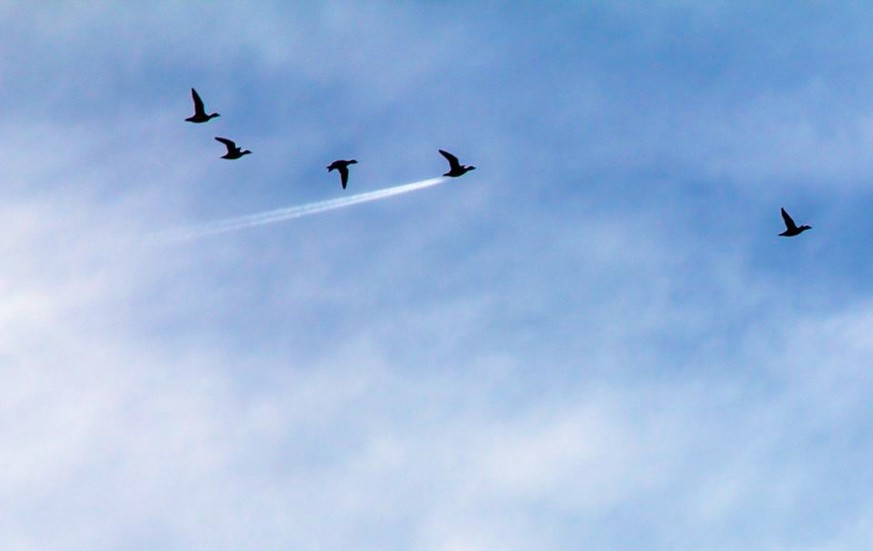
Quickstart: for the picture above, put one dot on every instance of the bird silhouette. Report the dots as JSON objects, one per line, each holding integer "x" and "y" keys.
{"x": 343, "y": 168}
{"x": 233, "y": 152}
{"x": 792, "y": 229}
{"x": 199, "y": 112}
{"x": 455, "y": 168}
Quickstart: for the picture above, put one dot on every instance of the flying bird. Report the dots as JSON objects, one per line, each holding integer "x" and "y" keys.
{"x": 233, "y": 152}
{"x": 792, "y": 229}
{"x": 343, "y": 168}
{"x": 455, "y": 168}
{"x": 199, "y": 112}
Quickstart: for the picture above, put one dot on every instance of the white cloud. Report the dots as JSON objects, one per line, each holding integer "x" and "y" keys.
{"x": 525, "y": 359}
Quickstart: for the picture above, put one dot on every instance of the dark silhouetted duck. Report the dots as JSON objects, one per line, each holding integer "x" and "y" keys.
{"x": 792, "y": 229}
{"x": 343, "y": 168}
{"x": 233, "y": 152}
{"x": 199, "y": 112}
{"x": 455, "y": 168}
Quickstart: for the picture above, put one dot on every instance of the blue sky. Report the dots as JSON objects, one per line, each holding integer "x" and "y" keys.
{"x": 596, "y": 340}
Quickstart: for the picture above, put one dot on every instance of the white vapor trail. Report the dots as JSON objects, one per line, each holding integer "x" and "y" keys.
{"x": 278, "y": 215}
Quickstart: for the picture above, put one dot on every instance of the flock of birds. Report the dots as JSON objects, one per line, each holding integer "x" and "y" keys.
{"x": 455, "y": 167}
{"x": 342, "y": 166}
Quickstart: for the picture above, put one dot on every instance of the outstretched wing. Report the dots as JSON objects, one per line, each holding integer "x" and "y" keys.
{"x": 453, "y": 161}
{"x": 228, "y": 143}
{"x": 198, "y": 103}
{"x": 789, "y": 222}
{"x": 344, "y": 175}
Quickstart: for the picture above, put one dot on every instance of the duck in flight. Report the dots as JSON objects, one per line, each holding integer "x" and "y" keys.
{"x": 343, "y": 168}
{"x": 199, "y": 112}
{"x": 792, "y": 229}
{"x": 455, "y": 168}
{"x": 233, "y": 152}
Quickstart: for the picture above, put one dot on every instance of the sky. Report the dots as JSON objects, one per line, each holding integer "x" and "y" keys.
{"x": 595, "y": 340}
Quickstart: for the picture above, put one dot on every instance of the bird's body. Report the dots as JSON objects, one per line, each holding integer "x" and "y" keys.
{"x": 343, "y": 168}
{"x": 792, "y": 229}
{"x": 455, "y": 168}
{"x": 233, "y": 152}
{"x": 199, "y": 111}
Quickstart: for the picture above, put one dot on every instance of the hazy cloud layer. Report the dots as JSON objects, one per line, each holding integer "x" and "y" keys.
{"x": 594, "y": 340}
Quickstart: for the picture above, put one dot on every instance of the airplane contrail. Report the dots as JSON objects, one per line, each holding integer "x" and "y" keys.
{"x": 278, "y": 215}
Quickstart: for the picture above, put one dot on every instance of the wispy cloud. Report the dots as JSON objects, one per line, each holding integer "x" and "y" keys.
{"x": 597, "y": 339}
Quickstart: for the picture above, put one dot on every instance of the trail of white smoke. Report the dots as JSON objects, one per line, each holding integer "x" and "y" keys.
{"x": 270, "y": 217}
